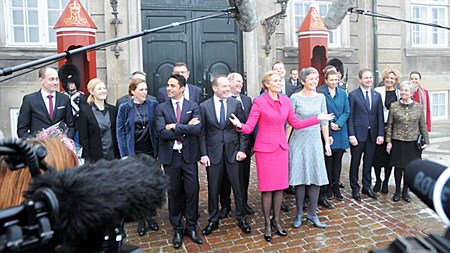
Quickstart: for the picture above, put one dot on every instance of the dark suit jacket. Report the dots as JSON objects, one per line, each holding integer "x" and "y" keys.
{"x": 90, "y": 136}
{"x": 247, "y": 102}
{"x": 214, "y": 139}
{"x": 127, "y": 98}
{"x": 34, "y": 117}
{"x": 165, "y": 114}
{"x": 125, "y": 127}
{"x": 195, "y": 94}
{"x": 361, "y": 118}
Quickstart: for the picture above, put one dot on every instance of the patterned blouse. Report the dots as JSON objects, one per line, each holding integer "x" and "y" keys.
{"x": 406, "y": 122}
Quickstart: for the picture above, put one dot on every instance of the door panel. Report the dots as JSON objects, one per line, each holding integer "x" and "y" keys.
{"x": 209, "y": 47}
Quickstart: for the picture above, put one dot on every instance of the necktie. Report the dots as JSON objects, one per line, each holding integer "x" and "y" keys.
{"x": 178, "y": 114}
{"x": 50, "y": 106}
{"x": 222, "y": 114}
{"x": 367, "y": 100}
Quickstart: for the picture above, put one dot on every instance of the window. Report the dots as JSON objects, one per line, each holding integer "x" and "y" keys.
{"x": 30, "y": 22}
{"x": 301, "y": 9}
{"x": 439, "y": 104}
{"x": 429, "y": 11}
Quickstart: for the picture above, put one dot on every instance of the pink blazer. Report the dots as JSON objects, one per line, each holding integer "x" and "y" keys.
{"x": 270, "y": 116}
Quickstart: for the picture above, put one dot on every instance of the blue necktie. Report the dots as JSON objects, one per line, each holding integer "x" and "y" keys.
{"x": 222, "y": 114}
{"x": 367, "y": 100}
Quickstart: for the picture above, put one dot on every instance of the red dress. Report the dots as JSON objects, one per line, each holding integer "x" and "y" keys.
{"x": 271, "y": 146}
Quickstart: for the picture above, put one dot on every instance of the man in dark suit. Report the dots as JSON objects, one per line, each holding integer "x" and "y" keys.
{"x": 191, "y": 92}
{"x": 221, "y": 148}
{"x": 236, "y": 83}
{"x": 178, "y": 126}
{"x": 45, "y": 107}
{"x": 365, "y": 130}
{"x": 135, "y": 75}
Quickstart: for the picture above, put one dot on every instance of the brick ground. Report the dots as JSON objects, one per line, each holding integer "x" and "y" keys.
{"x": 352, "y": 226}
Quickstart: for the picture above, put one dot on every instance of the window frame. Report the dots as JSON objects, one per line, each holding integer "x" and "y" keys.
{"x": 429, "y": 5}
{"x": 342, "y": 33}
{"x": 43, "y": 26}
{"x": 445, "y": 105}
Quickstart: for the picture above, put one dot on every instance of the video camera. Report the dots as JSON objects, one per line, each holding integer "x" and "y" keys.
{"x": 78, "y": 210}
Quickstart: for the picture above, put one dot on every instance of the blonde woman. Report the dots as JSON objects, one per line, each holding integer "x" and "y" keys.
{"x": 97, "y": 124}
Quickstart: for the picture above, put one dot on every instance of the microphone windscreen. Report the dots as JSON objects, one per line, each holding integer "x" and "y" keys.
{"x": 244, "y": 14}
{"x": 337, "y": 12}
{"x": 421, "y": 176}
{"x": 96, "y": 196}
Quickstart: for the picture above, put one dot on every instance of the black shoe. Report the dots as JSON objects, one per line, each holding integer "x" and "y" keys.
{"x": 284, "y": 207}
{"x": 341, "y": 185}
{"x": 356, "y": 196}
{"x": 210, "y": 227}
{"x": 406, "y": 197}
{"x": 141, "y": 228}
{"x": 244, "y": 226}
{"x": 195, "y": 237}
{"x": 370, "y": 193}
{"x": 249, "y": 210}
{"x": 377, "y": 186}
{"x": 396, "y": 197}
{"x": 224, "y": 212}
{"x": 177, "y": 240}
{"x": 329, "y": 195}
{"x": 278, "y": 232}
{"x": 152, "y": 224}
{"x": 338, "y": 195}
{"x": 323, "y": 202}
{"x": 385, "y": 188}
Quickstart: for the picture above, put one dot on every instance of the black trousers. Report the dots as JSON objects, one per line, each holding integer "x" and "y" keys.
{"x": 225, "y": 190}
{"x": 215, "y": 174}
{"x": 183, "y": 190}
{"x": 368, "y": 149}
{"x": 334, "y": 166}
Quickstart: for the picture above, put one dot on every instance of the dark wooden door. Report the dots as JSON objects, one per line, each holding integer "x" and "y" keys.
{"x": 209, "y": 47}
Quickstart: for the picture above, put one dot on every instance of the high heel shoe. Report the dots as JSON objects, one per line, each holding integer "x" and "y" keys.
{"x": 278, "y": 232}
{"x": 406, "y": 197}
{"x": 268, "y": 238}
{"x": 298, "y": 221}
{"x": 377, "y": 186}
{"x": 315, "y": 220}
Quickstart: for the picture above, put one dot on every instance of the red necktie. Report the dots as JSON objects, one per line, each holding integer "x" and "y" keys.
{"x": 50, "y": 106}
{"x": 178, "y": 112}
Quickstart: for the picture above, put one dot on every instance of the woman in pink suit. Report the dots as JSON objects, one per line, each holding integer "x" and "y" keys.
{"x": 270, "y": 112}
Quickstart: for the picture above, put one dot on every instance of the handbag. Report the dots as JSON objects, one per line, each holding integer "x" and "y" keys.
{"x": 420, "y": 142}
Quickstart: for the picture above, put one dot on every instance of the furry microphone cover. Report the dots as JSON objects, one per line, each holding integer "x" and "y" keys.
{"x": 95, "y": 197}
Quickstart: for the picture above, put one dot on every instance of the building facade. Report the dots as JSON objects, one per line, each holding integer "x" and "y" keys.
{"x": 361, "y": 41}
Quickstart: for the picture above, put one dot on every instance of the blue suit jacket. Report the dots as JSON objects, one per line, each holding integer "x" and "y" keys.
{"x": 165, "y": 114}
{"x": 125, "y": 127}
{"x": 340, "y": 107}
{"x": 361, "y": 119}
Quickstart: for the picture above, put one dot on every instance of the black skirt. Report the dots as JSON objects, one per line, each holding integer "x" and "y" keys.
{"x": 403, "y": 152}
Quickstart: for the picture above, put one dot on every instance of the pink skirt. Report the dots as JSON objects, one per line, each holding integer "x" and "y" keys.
{"x": 272, "y": 168}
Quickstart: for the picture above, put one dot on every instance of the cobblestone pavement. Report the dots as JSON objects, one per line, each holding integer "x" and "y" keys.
{"x": 353, "y": 226}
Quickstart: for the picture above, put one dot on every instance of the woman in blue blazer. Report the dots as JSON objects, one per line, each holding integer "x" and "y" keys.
{"x": 337, "y": 103}
{"x": 136, "y": 130}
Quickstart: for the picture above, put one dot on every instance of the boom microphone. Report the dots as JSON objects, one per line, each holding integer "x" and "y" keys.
{"x": 337, "y": 12}
{"x": 421, "y": 177}
{"x": 244, "y": 14}
{"x": 96, "y": 196}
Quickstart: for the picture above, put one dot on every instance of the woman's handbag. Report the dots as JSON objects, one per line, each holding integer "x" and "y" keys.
{"x": 420, "y": 142}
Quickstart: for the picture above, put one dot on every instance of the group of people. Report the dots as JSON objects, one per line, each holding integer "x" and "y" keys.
{"x": 297, "y": 131}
